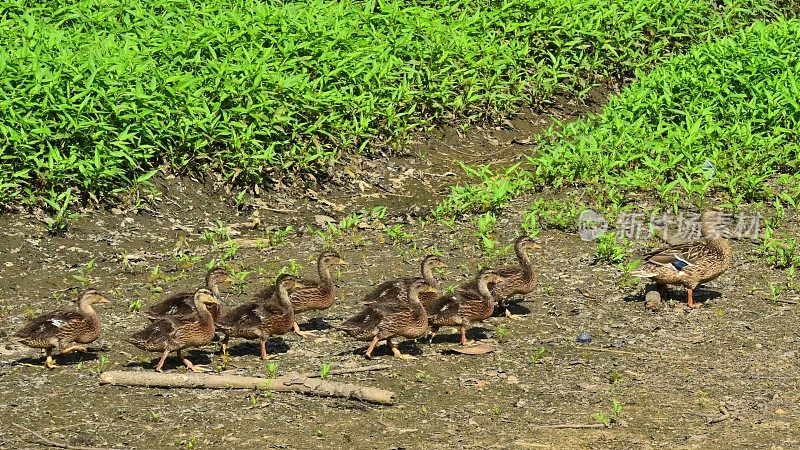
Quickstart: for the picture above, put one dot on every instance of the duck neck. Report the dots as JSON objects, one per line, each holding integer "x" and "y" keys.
{"x": 326, "y": 281}
{"x": 413, "y": 298}
{"x": 203, "y": 314}
{"x": 720, "y": 245}
{"x": 427, "y": 274}
{"x": 714, "y": 239}
{"x": 283, "y": 297}
{"x": 212, "y": 285}
{"x": 524, "y": 260}
{"x": 88, "y": 310}
{"x": 483, "y": 289}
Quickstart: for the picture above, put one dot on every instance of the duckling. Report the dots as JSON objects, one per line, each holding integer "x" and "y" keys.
{"x": 58, "y": 328}
{"x": 175, "y": 333}
{"x": 391, "y": 318}
{"x": 396, "y": 288}
{"x": 465, "y": 307}
{"x": 182, "y": 303}
{"x": 520, "y": 280}
{"x": 692, "y": 263}
{"x": 263, "y": 317}
{"x": 313, "y": 295}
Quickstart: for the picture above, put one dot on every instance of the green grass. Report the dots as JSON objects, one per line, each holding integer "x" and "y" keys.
{"x": 733, "y": 105}
{"x": 98, "y": 95}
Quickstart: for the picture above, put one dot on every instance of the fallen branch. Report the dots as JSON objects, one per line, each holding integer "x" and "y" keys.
{"x": 44, "y": 441}
{"x": 345, "y": 371}
{"x": 788, "y": 302}
{"x": 572, "y": 425}
{"x": 287, "y": 383}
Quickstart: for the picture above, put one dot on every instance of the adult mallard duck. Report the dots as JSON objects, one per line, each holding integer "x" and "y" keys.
{"x": 390, "y": 318}
{"x": 263, "y": 317}
{"x": 182, "y": 303}
{"x": 519, "y": 280}
{"x": 397, "y": 288}
{"x": 58, "y": 328}
{"x": 310, "y": 295}
{"x": 692, "y": 263}
{"x": 466, "y": 306}
{"x": 175, "y": 333}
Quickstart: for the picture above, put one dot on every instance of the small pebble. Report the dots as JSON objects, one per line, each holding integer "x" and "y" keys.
{"x": 652, "y": 301}
{"x": 584, "y": 338}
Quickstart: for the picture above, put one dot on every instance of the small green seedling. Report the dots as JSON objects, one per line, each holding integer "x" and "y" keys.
{"x": 324, "y": 370}
{"x": 135, "y": 305}
{"x": 272, "y": 368}
{"x": 537, "y": 355}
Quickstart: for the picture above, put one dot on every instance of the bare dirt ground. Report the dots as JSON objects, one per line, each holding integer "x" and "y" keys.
{"x": 720, "y": 376}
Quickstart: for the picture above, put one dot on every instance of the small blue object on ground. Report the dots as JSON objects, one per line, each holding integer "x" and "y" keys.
{"x": 584, "y": 338}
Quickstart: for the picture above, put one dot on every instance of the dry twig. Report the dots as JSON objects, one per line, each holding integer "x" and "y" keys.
{"x": 44, "y": 441}
{"x": 287, "y": 383}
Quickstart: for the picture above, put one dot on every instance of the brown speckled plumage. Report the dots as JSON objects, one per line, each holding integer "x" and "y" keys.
{"x": 398, "y": 316}
{"x": 397, "y": 288}
{"x": 465, "y": 307}
{"x": 519, "y": 280}
{"x": 175, "y": 333}
{"x": 182, "y": 303}
{"x": 692, "y": 263}
{"x": 312, "y": 295}
{"x": 262, "y": 317}
{"x": 56, "y": 329}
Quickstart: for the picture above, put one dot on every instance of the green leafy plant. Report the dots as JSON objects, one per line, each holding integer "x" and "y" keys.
{"x": 611, "y": 249}
{"x": 277, "y": 236}
{"x": 188, "y": 444}
{"x": 135, "y": 305}
{"x": 780, "y": 253}
{"x": 537, "y": 355}
{"x": 397, "y": 233}
{"x": 293, "y": 268}
{"x": 669, "y": 135}
{"x": 608, "y": 419}
{"x": 102, "y": 363}
{"x": 602, "y": 418}
{"x": 272, "y": 369}
{"x": 59, "y": 204}
{"x": 84, "y": 271}
{"x": 502, "y": 333}
{"x": 236, "y": 104}
{"x": 324, "y": 370}
{"x": 486, "y": 224}
{"x": 614, "y": 376}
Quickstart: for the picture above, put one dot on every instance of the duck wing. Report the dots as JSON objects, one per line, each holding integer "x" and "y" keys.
{"x": 178, "y": 304}
{"x": 678, "y": 256}
{"x": 389, "y": 290}
{"x": 365, "y": 320}
{"x": 50, "y": 325}
{"x": 246, "y": 315}
{"x": 159, "y": 331}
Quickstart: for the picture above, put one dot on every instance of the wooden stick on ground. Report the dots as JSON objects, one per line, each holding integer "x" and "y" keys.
{"x": 47, "y": 442}
{"x": 572, "y": 425}
{"x": 287, "y": 383}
